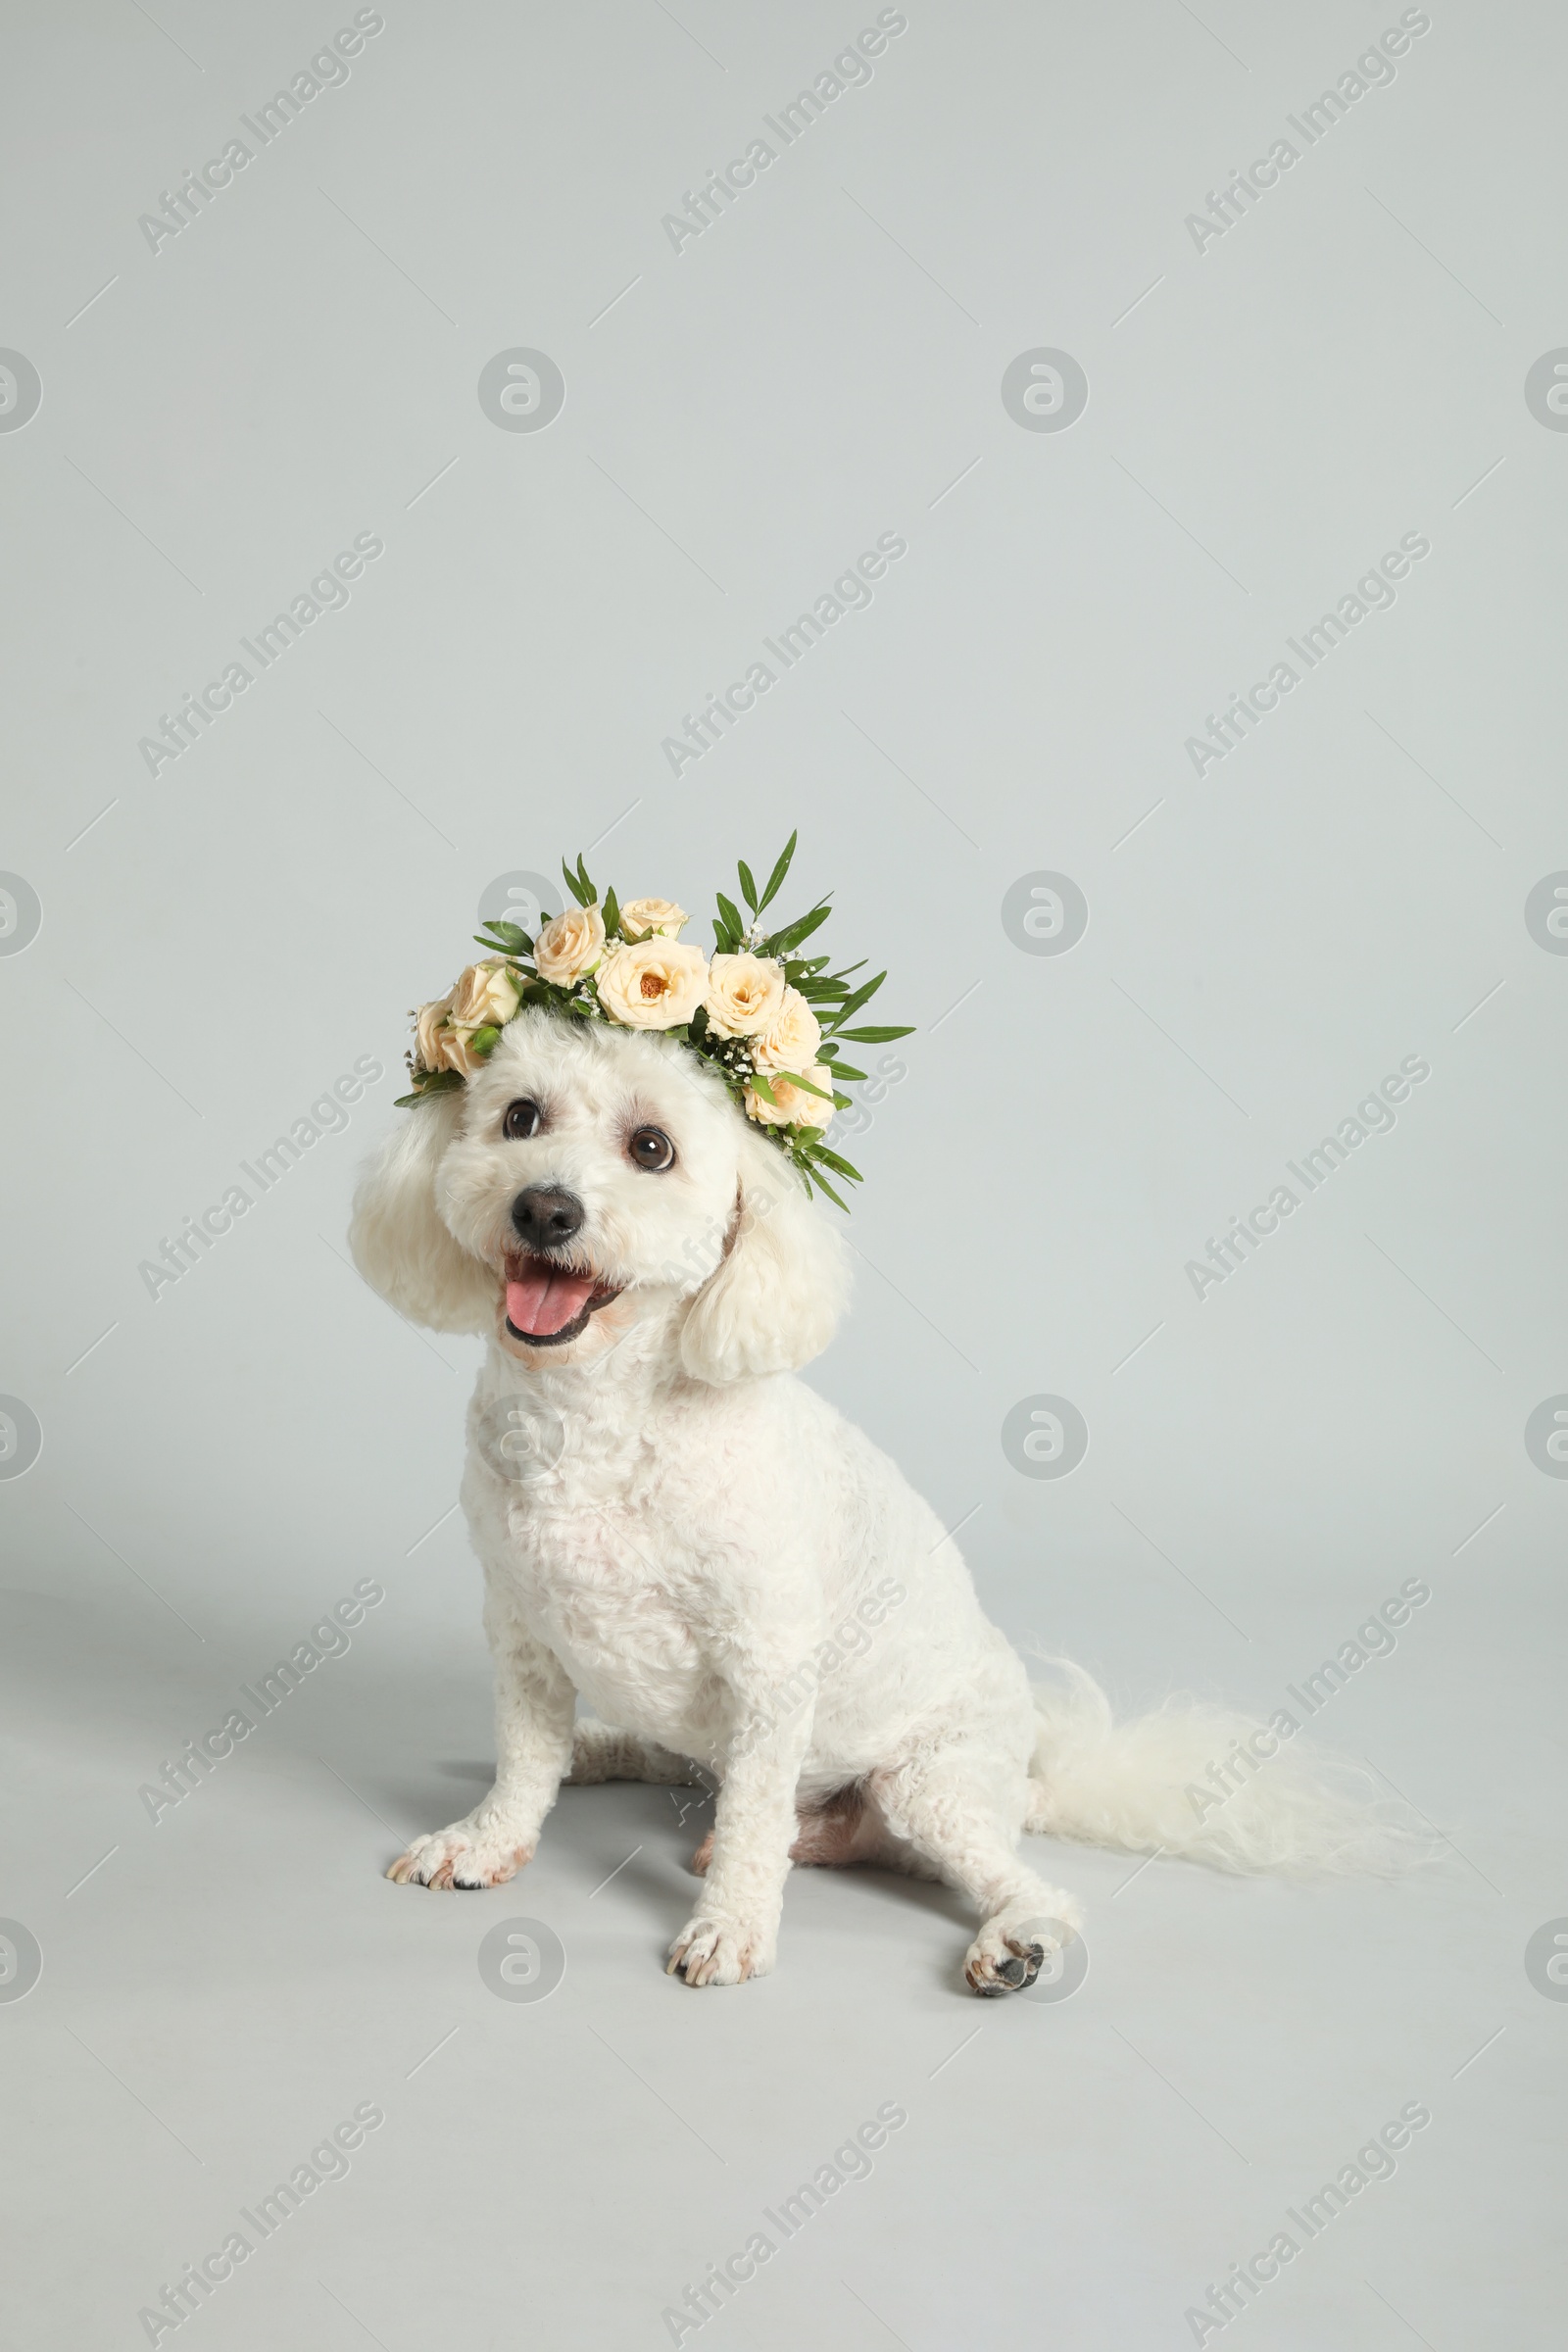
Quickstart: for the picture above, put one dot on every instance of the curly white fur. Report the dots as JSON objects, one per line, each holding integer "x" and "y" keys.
{"x": 729, "y": 1572}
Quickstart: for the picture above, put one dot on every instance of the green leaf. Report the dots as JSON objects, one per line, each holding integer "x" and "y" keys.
{"x": 509, "y": 935}
{"x": 761, "y": 1086}
{"x": 582, "y": 872}
{"x": 732, "y": 917}
{"x": 840, "y": 1069}
{"x": 581, "y": 892}
{"x": 793, "y": 932}
{"x": 697, "y": 1026}
{"x": 843, "y": 1166}
{"x": 484, "y": 1040}
{"x": 611, "y": 914}
{"x": 789, "y": 1078}
{"x": 432, "y": 1082}
{"x": 748, "y": 886}
{"x": 875, "y": 1037}
{"x": 776, "y": 877}
{"x": 861, "y": 996}
{"x": 822, "y": 1185}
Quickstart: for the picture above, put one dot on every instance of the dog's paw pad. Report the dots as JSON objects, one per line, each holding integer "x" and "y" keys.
{"x": 1000, "y": 1961}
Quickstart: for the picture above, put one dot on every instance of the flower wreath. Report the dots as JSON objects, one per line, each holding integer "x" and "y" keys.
{"x": 770, "y": 1020}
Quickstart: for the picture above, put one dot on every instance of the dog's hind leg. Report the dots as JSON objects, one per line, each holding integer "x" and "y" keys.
{"x": 600, "y": 1752}
{"x": 844, "y": 1832}
{"x": 960, "y": 1808}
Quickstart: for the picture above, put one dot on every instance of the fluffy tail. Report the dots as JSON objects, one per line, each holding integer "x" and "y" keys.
{"x": 1210, "y": 1785}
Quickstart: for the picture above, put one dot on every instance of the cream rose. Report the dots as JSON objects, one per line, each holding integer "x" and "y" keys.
{"x": 793, "y": 1040}
{"x": 792, "y": 1106}
{"x": 486, "y": 996}
{"x": 457, "y": 1054}
{"x": 660, "y": 916}
{"x": 745, "y": 995}
{"x": 569, "y": 944}
{"x": 428, "y": 1045}
{"x": 653, "y": 984}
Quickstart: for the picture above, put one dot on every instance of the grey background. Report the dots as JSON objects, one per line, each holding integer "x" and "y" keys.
{"x": 1265, "y": 942}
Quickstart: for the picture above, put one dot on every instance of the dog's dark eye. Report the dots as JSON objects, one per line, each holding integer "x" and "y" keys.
{"x": 521, "y": 1119}
{"x": 650, "y": 1147}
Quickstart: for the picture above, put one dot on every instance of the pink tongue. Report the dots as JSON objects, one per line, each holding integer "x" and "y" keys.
{"x": 545, "y": 1300}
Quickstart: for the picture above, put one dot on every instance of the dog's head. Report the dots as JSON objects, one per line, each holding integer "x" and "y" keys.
{"x": 587, "y": 1178}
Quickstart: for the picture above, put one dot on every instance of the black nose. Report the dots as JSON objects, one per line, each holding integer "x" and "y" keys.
{"x": 544, "y": 1216}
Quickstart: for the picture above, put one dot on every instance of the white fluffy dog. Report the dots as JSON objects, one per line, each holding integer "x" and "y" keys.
{"x": 728, "y": 1571}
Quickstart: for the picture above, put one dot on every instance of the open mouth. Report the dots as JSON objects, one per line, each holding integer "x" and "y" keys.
{"x": 549, "y": 1304}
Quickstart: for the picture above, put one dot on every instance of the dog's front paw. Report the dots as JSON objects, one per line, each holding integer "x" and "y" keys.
{"x": 466, "y": 1857}
{"x": 721, "y": 1951}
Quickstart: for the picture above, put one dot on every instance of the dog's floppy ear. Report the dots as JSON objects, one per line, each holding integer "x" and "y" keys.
{"x": 776, "y": 1297}
{"x": 399, "y": 1243}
